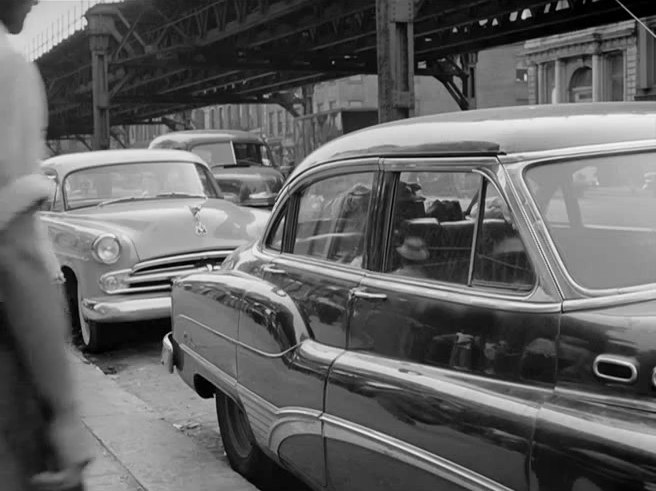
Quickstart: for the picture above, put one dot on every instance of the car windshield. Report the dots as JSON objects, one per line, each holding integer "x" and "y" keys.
{"x": 599, "y": 213}
{"x": 136, "y": 181}
{"x": 221, "y": 154}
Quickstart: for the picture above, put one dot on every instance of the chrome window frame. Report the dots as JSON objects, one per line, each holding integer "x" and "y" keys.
{"x": 484, "y": 166}
{"x": 598, "y": 297}
{"x": 289, "y": 199}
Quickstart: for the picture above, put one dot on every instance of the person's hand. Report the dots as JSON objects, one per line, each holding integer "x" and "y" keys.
{"x": 67, "y": 480}
{"x": 70, "y": 443}
{"x": 59, "y": 278}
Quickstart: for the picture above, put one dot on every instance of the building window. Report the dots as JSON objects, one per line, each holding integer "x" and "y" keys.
{"x": 521, "y": 75}
{"x": 279, "y": 114}
{"x": 289, "y": 124}
{"x": 615, "y": 63}
{"x": 580, "y": 85}
{"x": 221, "y": 117}
{"x": 212, "y": 119}
{"x": 271, "y": 122}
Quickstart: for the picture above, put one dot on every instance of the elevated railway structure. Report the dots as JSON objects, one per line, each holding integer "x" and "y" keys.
{"x": 139, "y": 60}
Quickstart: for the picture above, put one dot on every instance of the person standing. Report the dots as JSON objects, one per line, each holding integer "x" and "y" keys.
{"x": 43, "y": 445}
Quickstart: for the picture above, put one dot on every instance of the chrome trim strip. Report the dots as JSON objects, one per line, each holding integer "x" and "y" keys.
{"x": 528, "y": 224}
{"x": 437, "y": 164}
{"x": 165, "y": 278}
{"x": 261, "y": 414}
{"x": 466, "y": 295}
{"x": 182, "y": 257}
{"x": 166, "y": 275}
{"x": 126, "y": 309}
{"x": 292, "y": 421}
{"x": 645, "y": 404}
{"x": 608, "y": 300}
{"x": 619, "y": 361}
{"x": 598, "y": 149}
{"x": 236, "y": 342}
{"x": 339, "y": 429}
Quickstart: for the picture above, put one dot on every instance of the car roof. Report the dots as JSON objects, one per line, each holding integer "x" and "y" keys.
{"x": 69, "y": 162}
{"x": 201, "y": 136}
{"x": 496, "y": 131}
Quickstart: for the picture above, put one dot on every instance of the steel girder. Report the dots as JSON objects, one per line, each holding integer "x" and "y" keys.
{"x": 171, "y": 54}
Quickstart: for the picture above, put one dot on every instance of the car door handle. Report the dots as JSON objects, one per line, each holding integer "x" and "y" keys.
{"x": 273, "y": 270}
{"x": 615, "y": 369}
{"x": 364, "y": 295}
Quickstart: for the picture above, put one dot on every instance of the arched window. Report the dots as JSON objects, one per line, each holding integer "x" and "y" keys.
{"x": 580, "y": 85}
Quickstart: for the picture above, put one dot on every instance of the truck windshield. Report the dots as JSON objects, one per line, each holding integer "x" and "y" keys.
{"x": 233, "y": 153}
{"x": 599, "y": 213}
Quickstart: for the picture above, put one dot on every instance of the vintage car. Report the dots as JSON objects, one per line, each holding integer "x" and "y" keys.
{"x": 241, "y": 163}
{"x": 125, "y": 222}
{"x": 434, "y": 306}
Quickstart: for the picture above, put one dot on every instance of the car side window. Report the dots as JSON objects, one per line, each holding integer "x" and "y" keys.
{"x": 434, "y": 231}
{"x": 208, "y": 189}
{"x": 274, "y": 240}
{"x": 501, "y": 260}
{"x": 54, "y": 202}
{"x": 332, "y": 218}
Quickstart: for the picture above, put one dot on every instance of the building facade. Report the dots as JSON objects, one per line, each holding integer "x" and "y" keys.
{"x": 608, "y": 63}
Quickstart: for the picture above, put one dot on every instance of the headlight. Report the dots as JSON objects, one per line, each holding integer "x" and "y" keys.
{"x": 106, "y": 249}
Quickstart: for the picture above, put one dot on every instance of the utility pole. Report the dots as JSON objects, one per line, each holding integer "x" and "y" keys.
{"x": 396, "y": 65}
{"x": 100, "y": 25}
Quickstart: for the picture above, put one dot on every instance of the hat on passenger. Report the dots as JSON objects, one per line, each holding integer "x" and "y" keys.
{"x": 414, "y": 249}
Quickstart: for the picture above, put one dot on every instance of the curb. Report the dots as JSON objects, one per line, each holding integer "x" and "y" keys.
{"x": 157, "y": 455}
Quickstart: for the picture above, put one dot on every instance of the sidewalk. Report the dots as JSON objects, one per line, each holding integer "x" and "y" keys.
{"x": 137, "y": 450}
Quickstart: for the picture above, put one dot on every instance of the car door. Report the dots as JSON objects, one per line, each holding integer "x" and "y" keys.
{"x": 312, "y": 262}
{"x": 599, "y": 427}
{"x": 451, "y": 344}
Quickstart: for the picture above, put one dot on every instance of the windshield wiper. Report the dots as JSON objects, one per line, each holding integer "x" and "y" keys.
{"x": 119, "y": 200}
{"x": 179, "y": 195}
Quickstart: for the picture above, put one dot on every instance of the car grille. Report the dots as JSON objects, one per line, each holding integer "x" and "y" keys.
{"x": 157, "y": 274}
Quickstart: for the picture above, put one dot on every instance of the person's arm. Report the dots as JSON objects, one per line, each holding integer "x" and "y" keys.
{"x": 33, "y": 305}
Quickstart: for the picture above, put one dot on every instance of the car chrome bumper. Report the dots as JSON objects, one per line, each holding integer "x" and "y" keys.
{"x": 127, "y": 309}
{"x": 168, "y": 355}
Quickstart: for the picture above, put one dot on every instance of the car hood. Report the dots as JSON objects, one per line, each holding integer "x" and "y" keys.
{"x": 160, "y": 228}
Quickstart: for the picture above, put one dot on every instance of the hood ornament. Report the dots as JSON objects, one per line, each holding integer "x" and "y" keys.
{"x": 199, "y": 227}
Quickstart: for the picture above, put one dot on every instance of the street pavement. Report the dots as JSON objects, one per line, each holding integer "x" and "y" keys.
{"x": 137, "y": 448}
{"x": 131, "y": 376}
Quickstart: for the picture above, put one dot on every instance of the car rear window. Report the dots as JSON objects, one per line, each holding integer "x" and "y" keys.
{"x": 599, "y": 213}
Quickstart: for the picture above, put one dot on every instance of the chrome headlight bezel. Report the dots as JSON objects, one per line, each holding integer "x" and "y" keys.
{"x": 96, "y": 244}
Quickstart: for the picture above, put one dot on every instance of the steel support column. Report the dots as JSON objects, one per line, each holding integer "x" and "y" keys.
{"x": 99, "y": 26}
{"x": 396, "y": 66}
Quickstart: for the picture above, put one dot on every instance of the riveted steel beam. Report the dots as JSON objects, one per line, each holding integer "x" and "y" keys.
{"x": 396, "y": 67}
{"x": 100, "y": 29}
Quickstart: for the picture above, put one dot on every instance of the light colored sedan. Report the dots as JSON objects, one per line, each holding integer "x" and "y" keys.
{"x": 125, "y": 223}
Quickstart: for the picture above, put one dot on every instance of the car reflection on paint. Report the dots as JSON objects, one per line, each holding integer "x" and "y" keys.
{"x": 466, "y": 307}
{"x": 124, "y": 223}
